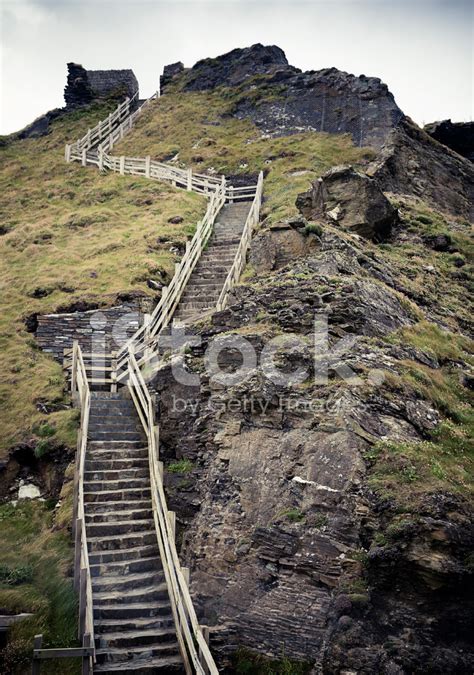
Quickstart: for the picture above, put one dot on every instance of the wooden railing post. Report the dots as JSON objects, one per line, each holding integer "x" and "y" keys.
{"x": 67, "y": 153}
{"x": 82, "y": 601}
{"x": 77, "y": 553}
{"x": 101, "y": 159}
{"x": 86, "y": 660}
{"x": 122, "y": 165}
{"x": 75, "y": 345}
{"x": 190, "y": 180}
{"x": 148, "y": 166}
{"x": 37, "y": 643}
{"x": 205, "y": 634}
{"x": 84, "y": 157}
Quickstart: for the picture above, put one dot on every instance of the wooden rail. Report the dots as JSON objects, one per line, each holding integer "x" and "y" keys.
{"x": 192, "y": 637}
{"x": 241, "y": 254}
{"x": 82, "y": 574}
{"x": 104, "y": 128}
{"x": 85, "y": 652}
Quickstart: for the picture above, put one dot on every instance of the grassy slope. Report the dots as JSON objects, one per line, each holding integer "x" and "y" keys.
{"x": 74, "y": 234}
{"x": 197, "y": 126}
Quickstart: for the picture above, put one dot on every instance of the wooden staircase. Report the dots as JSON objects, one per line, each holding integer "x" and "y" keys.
{"x": 133, "y": 623}
{"x": 206, "y": 282}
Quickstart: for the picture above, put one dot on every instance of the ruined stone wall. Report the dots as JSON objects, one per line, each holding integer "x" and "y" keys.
{"x": 83, "y": 85}
{"x": 98, "y": 330}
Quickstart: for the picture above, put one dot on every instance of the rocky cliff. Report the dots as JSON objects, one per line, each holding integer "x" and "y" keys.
{"x": 281, "y": 100}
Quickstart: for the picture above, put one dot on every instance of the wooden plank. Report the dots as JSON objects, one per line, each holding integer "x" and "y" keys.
{"x": 38, "y": 641}
{"x": 62, "y": 653}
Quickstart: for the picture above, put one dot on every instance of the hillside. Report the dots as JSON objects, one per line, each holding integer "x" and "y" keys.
{"x": 328, "y": 526}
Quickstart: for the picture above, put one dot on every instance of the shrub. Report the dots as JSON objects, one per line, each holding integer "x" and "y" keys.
{"x": 182, "y": 466}
{"x": 13, "y": 576}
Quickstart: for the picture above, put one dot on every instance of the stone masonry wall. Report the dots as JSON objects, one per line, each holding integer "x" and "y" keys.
{"x": 98, "y": 330}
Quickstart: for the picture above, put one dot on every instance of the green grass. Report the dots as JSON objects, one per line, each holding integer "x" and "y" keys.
{"x": 246, "y": 662}
{"x": 34, "y": 578}
{"x": 71, "y": 234}
{"x": 182, "y": 466}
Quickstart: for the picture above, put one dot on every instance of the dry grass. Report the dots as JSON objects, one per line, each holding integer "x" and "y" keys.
{"x": 196, "y": 128}
{"x": 71, "y": 234}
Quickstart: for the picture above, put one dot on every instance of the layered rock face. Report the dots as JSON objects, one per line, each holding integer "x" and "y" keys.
{"x": 278, "y": 520}
{"x": 83, "y": 86}
{"x": 327, "y": 100}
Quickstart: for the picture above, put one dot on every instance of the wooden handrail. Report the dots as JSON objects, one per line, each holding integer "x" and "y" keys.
{"x": 82, "y": 575}
{"x": 241, "y": 254}
{"x": 191, "y": 638}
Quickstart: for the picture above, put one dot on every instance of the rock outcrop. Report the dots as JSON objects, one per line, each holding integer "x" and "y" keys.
{"x": 281, "y": 100}
{"x": 351, "y": 200}
{"x": 459, "y": 136}
{"x": 326, "y": 100}
{"x": 84, "y": 86}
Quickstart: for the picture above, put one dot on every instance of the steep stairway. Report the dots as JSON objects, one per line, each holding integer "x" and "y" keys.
{"x": 208, "y": 277}
{"x": 133, "y": 622}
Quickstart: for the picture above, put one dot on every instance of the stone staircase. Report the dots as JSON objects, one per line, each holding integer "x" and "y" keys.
{"x": 133, "y": 622}
{"x": 206, "y": 282}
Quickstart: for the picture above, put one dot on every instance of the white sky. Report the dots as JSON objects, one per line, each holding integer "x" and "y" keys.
{"x": 423, "y": 49}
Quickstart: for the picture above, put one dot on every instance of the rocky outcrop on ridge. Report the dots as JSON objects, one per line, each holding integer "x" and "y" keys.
{"x": 459, "y": 136}
{"x": 352, "y": 200}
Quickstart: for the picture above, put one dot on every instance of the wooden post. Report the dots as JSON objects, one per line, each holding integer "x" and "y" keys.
{"x": 113, "y": 373}
{"x": 67, "y": 153}
{"x": 88, "y": 138}
{"x": 77, "y": 553}
{"x": 156, "y": 431}
{"x": 86, "y": 660}
{"x": 121, "y": 131}
{"x": 190, "y": 180}
{"x": 186, "y": 575}
{"x": 148, "y": 166}
{"x": 75, "y": 348}
{"x": 84, "y": 157}
{"x": 35, "y": 669}
{"x": 101, "y": 159}
{"x": 172, "y": 518}
{"x": 231, "y": 194}
{"x": 82, "y": 601}
{"x": 205, "y": 634}
{"x": 122, "y": 165}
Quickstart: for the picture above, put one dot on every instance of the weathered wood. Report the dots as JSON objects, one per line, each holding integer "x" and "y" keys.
{"x": 62, "y": 653}
{"x": 37, "y": 642}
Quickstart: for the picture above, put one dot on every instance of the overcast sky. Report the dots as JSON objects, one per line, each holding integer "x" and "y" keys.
{"x": 421, "y": 48}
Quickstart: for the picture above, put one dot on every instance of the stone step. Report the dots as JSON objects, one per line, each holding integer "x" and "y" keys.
{"x": 125, "y": 567}
{"x": 122, "y": 395}
{"x": 134, "y": 554}
{"x": 151, "y": 663}
{"x": 113, "y": 451}
{"x": 123, "y": 583}
{"x": 98, "y": 445}
{"x": 117, "y": 507}
{"x": 128, "y": 515}
{"x": 125, "y": 541}
{"x": 122, "y": 435}
{"x": 112, "y": 485}
{"x": 158, "y": 592}
{"x": 143, "y": 638}
{"x": 116, "y": 424}
{"x": 116, "y": 474}
{"x": 116, "y": 528}
{"x": 116, "y": 464}
{"x": 115, "y": 495}
{"x": 132, "y": 610}
{"x": 116, "y": 625}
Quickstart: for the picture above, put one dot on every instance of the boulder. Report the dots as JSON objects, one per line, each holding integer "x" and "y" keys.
{"x": 351, "y": 200}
